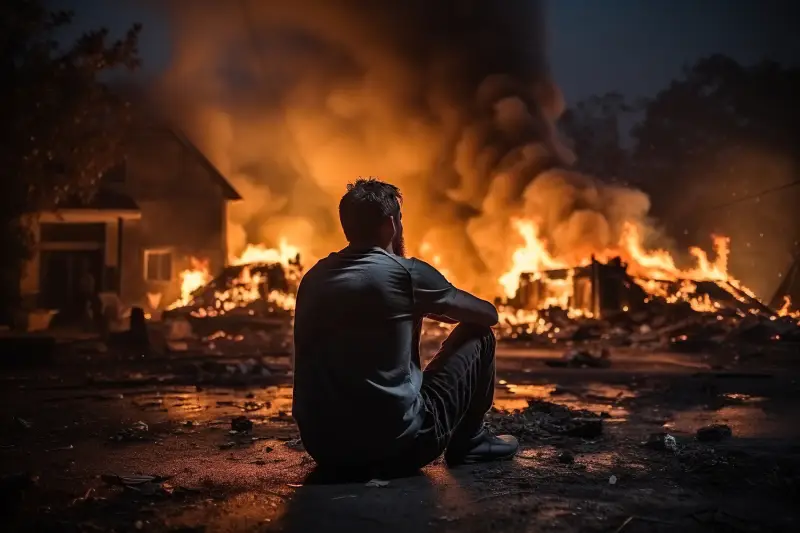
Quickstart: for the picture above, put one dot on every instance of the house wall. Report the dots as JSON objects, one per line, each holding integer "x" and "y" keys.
{"x": 183, "y": 210}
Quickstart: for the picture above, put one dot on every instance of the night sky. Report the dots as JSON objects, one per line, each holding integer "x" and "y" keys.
{"x": 630, "y": 46}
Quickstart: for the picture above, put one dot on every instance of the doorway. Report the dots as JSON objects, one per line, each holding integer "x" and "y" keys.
{"x": 61, "y": 273}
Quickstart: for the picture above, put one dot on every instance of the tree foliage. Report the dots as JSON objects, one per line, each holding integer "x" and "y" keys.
{"x": 593, "y": 125}
{"x": 717, "y": 108}
{"x": 62, "y": 125}
{"x": 724, "y": 132}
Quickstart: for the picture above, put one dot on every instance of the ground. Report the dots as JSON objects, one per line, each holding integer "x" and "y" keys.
{"x": 72, "y": 427}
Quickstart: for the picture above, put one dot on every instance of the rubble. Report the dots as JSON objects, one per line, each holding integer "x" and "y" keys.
{"x": 582, "y": 358}
{"x": 661, "y": 441}
{"x": 660, "y": 327}
{"x": 566, "y": 458}
{"x": 138, "y": 431}
{"x": 241, "y": 424}
{"x": 714, "y": 433}
{"x": 141, "y": 484}
{"x": 237, "y": 313}
{"x": 603, "y": 304}
{"x": 543, "y": 420}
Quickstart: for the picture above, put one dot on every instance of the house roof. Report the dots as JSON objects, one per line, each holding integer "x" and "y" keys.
{"x": 227, "y": 189}
{"x": 156, "y": 115}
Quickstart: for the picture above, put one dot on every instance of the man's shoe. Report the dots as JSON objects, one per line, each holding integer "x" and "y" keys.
{"x": 484, "y": 447}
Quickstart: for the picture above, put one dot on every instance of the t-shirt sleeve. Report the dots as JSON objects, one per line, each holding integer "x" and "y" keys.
{"x": 433, "y": 294}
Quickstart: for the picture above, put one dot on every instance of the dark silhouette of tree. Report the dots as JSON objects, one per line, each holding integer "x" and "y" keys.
{"x": 593, "y": 126}
{"x": 722, "y": 132}
{"x": 62, "y": 126}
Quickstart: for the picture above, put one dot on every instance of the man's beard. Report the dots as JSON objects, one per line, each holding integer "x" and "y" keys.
{"x": 399, "y": 244}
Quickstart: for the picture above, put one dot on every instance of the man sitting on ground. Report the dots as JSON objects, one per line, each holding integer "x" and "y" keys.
{"x": 361, "y": 399}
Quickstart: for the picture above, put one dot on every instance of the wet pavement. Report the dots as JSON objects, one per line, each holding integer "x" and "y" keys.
{"x": 68, "y": 434}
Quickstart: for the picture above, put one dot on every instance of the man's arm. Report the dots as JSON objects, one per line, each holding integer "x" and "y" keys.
{"x": 435, "y": 296}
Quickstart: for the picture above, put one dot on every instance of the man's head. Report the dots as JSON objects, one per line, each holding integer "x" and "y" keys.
{"x": 370, "y": 215}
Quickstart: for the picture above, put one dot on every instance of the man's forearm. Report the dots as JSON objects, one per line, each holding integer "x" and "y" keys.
{"x": 470, "y": 309}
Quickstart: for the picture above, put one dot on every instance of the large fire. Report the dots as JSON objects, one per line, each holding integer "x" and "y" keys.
{"x": 651, "y": 269}
{"x": 246, "y": 287}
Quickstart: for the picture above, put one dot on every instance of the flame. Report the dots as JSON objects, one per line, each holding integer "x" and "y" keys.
{"x": 246, "y": 288}
{"x": 260, "y": 254}
{"x": 531, "y": 257}
{"x": 655, "y": 270}
{"x": 192, "y": 279}
{"x": 786, "y": 309}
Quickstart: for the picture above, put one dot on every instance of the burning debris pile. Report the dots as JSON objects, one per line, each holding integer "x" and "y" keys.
{"x": 644, "y": 302}
{"x": 247, "y": 308}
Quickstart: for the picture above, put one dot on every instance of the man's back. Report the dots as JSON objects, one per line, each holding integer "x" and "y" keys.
{"x": 357, "y": 349}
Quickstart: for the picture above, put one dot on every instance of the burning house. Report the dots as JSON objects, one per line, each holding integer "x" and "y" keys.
{"x": 164, "y": 204}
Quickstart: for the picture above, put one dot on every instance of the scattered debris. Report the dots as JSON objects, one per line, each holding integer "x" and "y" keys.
{"x": 377, "y": 483}
{"x": 720, "y": 319}
{"x": 714, "y": 433}
{"x": 661, "y": 441}
{"x": 22, "y": 423}
{"x": 146, "y": 485}
{"x": 566, "y": 458}
{"x": 585, "y": 428}
{"x": 241, "y": 424}
{"x": 295, "y": 444}
{"x": 543, "y": 419}
{"x": 62, "y": 448}
{"x": 136, "y": 432}
{"x": 582, "y": 358}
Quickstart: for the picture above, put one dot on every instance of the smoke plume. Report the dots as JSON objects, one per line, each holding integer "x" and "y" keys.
{"x": 449, "y": 99}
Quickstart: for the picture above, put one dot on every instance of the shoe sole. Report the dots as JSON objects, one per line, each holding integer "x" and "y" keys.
{"x": 477, "y": 459}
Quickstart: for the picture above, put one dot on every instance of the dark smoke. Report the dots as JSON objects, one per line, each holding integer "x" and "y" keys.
{"x": 449, "y": 99}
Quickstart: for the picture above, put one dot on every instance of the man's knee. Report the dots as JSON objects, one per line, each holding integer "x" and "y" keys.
{"x": 472, "y": 332}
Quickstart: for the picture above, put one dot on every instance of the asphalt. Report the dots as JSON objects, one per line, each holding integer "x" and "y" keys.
{"x": 66, "y": 434}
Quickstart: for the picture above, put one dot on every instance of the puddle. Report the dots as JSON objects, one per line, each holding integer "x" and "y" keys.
{"x": 268, "y": 404}
{"x": 595, "y": 397}
{"x": 746, "y": 421}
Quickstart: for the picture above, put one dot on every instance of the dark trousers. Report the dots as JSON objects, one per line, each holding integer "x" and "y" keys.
{"x": 457, "y": 391}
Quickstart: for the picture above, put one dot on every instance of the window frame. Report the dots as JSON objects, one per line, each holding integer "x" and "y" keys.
{"x": 150, "y": 252}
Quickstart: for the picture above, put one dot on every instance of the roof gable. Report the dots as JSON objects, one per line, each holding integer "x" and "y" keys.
{"x": 227, "y": 189}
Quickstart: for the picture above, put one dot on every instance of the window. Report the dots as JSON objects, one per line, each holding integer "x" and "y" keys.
{"x": 158, "y": 265}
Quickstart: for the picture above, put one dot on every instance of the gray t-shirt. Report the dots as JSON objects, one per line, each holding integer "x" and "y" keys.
{"x": 357, "y": 373}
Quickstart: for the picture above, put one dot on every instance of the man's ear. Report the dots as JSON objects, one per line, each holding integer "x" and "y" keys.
{"x": 388, "y": 228}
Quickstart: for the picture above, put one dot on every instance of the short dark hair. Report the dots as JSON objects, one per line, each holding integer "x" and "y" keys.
{"x": 365, "y": 206}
